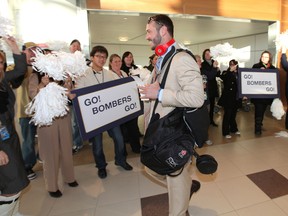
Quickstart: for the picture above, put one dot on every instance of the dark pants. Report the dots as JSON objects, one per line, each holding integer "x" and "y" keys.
{"x": 286, "y": 119}
{"x": 211, "y": 112}
{"x": 131, "y": 133}
{"x": 260, "y": 109}
{"x": 28, "y": 145}
{"x": 97, "y": 147}
{"x": 229, "y": 121}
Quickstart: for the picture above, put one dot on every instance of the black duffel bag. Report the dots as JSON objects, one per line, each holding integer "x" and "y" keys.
{"x": 167, "y": 144}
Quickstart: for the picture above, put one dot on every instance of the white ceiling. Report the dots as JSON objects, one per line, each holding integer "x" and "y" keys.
{"x": 106, "y": 27}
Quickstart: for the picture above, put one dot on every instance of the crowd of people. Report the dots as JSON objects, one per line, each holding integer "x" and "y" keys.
{"x": 190, "y": 84}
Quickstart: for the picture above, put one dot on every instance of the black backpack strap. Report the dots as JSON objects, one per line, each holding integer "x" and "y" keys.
{"x": 169, "y": 60}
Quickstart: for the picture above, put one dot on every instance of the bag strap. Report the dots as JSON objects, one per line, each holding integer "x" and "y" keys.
{"x": 162, "y": 84}
{"x": 168, "y": 62}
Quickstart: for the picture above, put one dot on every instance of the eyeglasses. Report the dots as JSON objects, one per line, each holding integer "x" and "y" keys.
{"x": 154, "y": 18}
{"x": 100, "y": 56}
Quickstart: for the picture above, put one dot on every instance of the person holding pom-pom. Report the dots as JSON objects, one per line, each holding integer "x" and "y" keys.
{"x": 55, "y": 140}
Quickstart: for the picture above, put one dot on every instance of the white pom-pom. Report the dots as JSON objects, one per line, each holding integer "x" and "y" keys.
{"x": 282, "y": 40}
{"x": 60, "y": 64}
{"x": 74, "y": 64}
{"x": 281, "y": 134}
{"x": 222, "y": 50}
{"x": 6, "y": 26}
{"x": 51, "y": 102}
{"x": 277, "y": 109}
{"x": 48, "y": 64}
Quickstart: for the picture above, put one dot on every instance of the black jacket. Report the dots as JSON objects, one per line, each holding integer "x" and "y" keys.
{"x": 13, "y": 177}
{"x": 211, "y": 74}
{"x": 229, "y": 97}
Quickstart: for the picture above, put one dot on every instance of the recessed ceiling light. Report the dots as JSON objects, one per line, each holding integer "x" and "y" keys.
{"x": 187, "y": 42}
{"x": 123, "y": 39}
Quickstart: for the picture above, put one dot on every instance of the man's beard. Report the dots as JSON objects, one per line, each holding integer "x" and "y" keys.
{"x": 155, "y": 42}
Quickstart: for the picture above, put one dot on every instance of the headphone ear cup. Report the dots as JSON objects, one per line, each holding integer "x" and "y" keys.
{"x": 206, "y": 164}
{"x": 160, "y": 49}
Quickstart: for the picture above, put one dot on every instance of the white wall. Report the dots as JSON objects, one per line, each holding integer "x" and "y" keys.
{"x": 43, "y": 21}
{"x": 251, "y": 48}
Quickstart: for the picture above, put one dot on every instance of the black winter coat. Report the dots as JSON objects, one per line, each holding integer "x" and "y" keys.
{"x": 13, "y": 177}
{"x": 211, "y": 74}
{"x": 229, "y": 97}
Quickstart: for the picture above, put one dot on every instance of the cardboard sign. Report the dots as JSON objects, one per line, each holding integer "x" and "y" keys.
{"x": 258, "y": 83}
{"x": 106, "y": 105}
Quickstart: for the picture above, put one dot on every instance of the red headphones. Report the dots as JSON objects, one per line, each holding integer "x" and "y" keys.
{"x": 161, "y": 49}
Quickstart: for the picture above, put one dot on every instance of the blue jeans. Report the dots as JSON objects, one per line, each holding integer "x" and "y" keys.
{"x": 97, "y": 147}
{"x": 77, "y": 139}
{"x": 28, "y": 145}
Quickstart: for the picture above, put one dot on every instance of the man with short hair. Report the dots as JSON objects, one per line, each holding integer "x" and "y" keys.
{"x": 94, "y": 75}
{"x": 183, "y": 88}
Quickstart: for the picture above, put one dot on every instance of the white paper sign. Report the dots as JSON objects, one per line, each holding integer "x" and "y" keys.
{"x": 112, "y": 101}
{"x": 258, "y": 83}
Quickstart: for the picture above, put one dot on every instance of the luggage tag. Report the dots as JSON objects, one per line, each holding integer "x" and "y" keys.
{"x": 4, "y": 134}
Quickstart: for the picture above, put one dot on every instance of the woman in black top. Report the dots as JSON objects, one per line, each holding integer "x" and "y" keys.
{"x": 152, "y": 62}
{"x": 229, "y": 99}
{"x": 132, "y": 125}
{"x": 260, "y": 104}
{"x": 128, "y": 62}
{"x": 210, "y": 68}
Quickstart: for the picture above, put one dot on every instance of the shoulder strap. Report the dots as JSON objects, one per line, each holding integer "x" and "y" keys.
{"x": 162, "y": 84}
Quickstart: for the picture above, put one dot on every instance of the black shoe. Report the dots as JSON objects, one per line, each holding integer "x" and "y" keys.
{"x": 76, "y": 149}
{"x": 31, "y": 174}
{"x": 214, "y": 124}
{"x": 258, "y": 132}
{"x": 55, "y": 194}
{"x": 102, "y": 173}
{"x": 73, "y": 184}
{"x": 194, "y": 187}
{"x": 124, "y": 165}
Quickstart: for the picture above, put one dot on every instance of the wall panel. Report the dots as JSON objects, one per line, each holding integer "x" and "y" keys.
{"x": 227, "y": 8}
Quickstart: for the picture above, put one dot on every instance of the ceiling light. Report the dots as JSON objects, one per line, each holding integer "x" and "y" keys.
{"x": 187, "y": 42}
{"x": 123, "y": 39}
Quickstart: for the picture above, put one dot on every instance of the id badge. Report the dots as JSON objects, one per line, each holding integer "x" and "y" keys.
{"x": 4, "y": 133}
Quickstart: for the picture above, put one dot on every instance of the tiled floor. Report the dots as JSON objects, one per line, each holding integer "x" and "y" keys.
{"x": 249, "y": 167}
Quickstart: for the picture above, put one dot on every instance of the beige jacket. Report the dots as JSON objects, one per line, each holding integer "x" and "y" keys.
{"x": 183, "y": 87}
{"x": 90, "y": 79}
